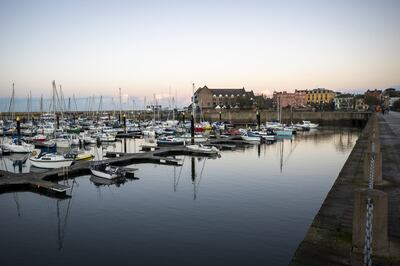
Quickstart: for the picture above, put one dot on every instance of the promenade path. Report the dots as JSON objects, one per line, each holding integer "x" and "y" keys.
{"x": 329, "y": 238}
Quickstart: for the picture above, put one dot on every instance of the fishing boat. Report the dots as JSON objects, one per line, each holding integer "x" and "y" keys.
{"x": 199, "y": 148}
{"x": 50, "y": 161}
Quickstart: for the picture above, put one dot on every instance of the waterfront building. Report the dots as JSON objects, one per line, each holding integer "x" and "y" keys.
{"x": 319, "y": 96}
{"x": 359, "y": 103}
{"x": 390, "y": 96}
{"x": 223, "y": 98}
{"x": 344, "y": 102}
{"x": 298, "y": 98}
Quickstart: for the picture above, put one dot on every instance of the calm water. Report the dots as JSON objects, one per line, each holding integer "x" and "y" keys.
{"x": 249, "y": 207}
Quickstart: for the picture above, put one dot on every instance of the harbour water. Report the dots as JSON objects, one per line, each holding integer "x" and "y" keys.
{"x": 251, "y": 206}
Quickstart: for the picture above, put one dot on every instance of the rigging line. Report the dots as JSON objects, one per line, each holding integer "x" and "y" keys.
{"x": 291, "y": 151}
{"x": 180, "y": 172}
{"x": 15, "y": 196}
{"x": 67, "y": 213}
{"x": 201, "y": 175}
{"x": 59, "y": 226}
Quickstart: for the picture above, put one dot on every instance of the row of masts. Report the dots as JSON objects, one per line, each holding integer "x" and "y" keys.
{"x": 93, "y": 107}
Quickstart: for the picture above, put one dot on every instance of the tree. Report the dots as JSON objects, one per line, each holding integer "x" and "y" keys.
{"x": 396, "y": 105}
{"x": 371, "y": 100}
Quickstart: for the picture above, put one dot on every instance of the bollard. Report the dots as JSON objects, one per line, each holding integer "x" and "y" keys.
{"x": 380, "y": 242}
{"x": 377, "y": 174}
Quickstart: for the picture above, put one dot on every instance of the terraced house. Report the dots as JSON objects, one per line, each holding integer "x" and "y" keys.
{"x": 319, "y": 96}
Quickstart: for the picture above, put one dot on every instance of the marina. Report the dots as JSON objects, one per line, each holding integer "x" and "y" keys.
{"x": 199, "y": 133}
{"x": 177, "y": 198}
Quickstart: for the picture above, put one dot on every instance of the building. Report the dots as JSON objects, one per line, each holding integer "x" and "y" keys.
{"x": 344, "y": 102}
{"x": 359, "y": 103}
{"x": 374, "y": 93}
{"x": 223, "y": 98}
{"x": 319, "y": 96}
{"x": 298, "y": 98}
{"x": 390, "y": 96}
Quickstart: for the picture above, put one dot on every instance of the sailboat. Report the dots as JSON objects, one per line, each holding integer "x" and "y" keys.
{"x": 18, "y": 146}
{"x": 50, "y": 161}
{"x": 282, "y": 130}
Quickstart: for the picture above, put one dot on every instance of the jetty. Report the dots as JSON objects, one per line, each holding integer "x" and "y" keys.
{"x": 45, "y": 182}
{"x": 359, "y": 221}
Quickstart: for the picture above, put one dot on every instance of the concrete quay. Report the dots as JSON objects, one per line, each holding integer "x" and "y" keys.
{"x": 336, "y": 235}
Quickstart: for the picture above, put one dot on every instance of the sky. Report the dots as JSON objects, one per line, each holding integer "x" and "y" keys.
{"x": 94, "y": 47}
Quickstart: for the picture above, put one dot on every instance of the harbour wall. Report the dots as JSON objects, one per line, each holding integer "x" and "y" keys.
{"x": 240, "y": 117}
{"x": 322, "y": 118}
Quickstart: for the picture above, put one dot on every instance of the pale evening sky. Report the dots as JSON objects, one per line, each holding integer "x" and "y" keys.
{"x": 146, "y": 47}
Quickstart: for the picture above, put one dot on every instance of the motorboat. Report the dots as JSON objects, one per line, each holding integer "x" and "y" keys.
{"x": 82, "y": 155}
{"x": 169, "y": 141}
{"x": 251, "y": 136}
{"x": 50, "y": 161}
{"x": 307, "y": 125}
{"x": 39, "y": 138}
{"x": 267, "y": 134}
{"x": 283, "y": 131}
{"x": 105, "y": 137}
{"x": 188, "y": 138}
{"x": 107, "y": 171}
{"x": 89, "y": 140}
{"x": 67, "y": 140}
{"x": 200, "y": 148}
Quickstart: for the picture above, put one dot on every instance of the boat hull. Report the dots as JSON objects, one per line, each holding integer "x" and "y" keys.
{"x": 50, "y": 164}
{"x": 103, "y": 175}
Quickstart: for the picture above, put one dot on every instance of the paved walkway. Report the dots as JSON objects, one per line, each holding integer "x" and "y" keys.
{"x": 329, "y": 238}
{"x": 393, "y": 120}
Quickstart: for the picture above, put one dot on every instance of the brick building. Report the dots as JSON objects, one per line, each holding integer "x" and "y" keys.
{"x": 298, "y": 98}
{"x": 224, "y": 98}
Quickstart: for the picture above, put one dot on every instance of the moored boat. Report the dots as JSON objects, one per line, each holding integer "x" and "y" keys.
{"x": 18, "y": 146}
{"x": 50, "y": 161}
{"x": 199, "y": 148}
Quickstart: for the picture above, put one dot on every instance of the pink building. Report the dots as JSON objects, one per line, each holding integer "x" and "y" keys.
{"x": 298, "y": 98}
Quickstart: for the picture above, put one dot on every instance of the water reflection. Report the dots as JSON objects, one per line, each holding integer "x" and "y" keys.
{"x": 252, "y": 206}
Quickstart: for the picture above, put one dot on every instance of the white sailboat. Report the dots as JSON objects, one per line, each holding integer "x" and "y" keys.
{"x": 202, "y": 149}
{"x": 21, "y": 147}
{"x": 50, "y": 161}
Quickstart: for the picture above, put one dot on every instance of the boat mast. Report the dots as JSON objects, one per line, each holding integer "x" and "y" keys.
{"x": 120, "y": 105}
{"x": 54, "y": 99}
{"x": 11, "y": 107}
{"x": 41, "y": 103}
{"x": 193, "y": 104}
